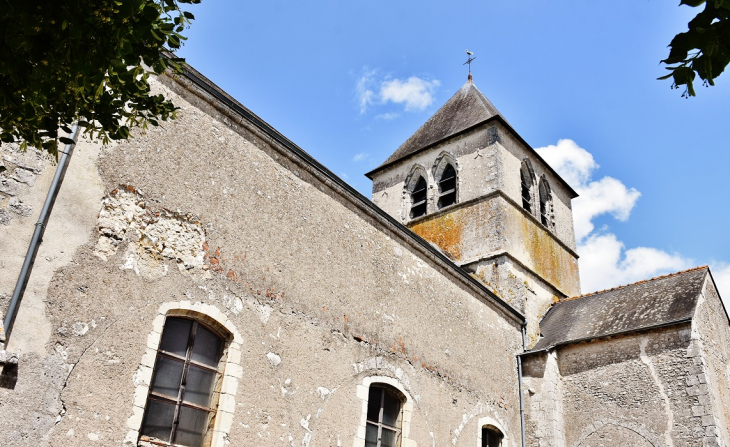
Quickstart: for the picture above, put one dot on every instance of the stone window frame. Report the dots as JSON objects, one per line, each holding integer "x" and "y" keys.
{"x": 363, "y": 392}
{"x": 417, "y": 171}
{"x": 526, "y": 166}
{"x": 549, "y": 212}
{"x": 231, "y": 371}
{"x": 488, "y": 422}
{"x": 439, "y": 166}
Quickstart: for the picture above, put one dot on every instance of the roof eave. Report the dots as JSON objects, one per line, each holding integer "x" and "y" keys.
{"x": 612, "y": 334}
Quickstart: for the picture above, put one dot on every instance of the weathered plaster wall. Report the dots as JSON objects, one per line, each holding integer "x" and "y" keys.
{"x": 202, "y": 210}
{"x": 711, "y": 338}
{"x": 629, "y": 390}
{"x": 31, "y": 395}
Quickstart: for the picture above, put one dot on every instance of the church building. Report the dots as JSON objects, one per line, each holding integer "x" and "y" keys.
{"x": 207, "y": 283}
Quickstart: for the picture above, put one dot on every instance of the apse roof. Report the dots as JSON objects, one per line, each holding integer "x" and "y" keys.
{"x": 646, "y": 304}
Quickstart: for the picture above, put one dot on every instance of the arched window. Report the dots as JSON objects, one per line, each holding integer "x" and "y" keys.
{"x": 447, "y": 187}
{"x": 527, "y": 180}
{"x": 491, "y": 437}
{"x": 546, "y": 203}
{"x": 418, "y": 198}
{"x": 183, "y": 394}
{"x": 385, "y": 416}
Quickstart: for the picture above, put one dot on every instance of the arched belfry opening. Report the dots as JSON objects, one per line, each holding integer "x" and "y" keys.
{"x": 527, "y": 181}
{"x": 546, "y": 204}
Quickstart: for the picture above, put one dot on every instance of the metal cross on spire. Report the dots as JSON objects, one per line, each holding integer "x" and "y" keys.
{"x": 468, "y": 61}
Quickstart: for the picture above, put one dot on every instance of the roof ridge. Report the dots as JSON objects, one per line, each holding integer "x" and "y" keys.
{"x": 668, "y": 275}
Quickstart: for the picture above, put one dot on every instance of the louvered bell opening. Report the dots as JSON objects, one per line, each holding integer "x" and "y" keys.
{"x": 418, "y": 199}
{"x": 447, "y": 187}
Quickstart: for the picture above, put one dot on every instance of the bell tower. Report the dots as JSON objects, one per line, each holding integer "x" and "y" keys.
{"x": 470, "y": 185}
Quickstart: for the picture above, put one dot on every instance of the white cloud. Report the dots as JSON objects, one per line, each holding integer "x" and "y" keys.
{"x": 414, "y": 93}
{"x": 387, "y": 116}
{"x": 364, "y": 93}
{"x": 604, "y": 260}
{"x": 605, "y": 196}
{"x": 572, "y": 162}
{"x": 360, "y": 157}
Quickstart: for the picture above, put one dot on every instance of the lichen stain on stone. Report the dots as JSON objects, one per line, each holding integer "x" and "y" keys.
{"x": 548, "y": 258}
{"x": 444, "y": 230}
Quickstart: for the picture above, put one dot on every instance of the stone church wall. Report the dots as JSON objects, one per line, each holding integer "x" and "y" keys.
{"x": 711, "y": 338}
{"x": 633, "y": 390}
{"x": 207, "y": 215}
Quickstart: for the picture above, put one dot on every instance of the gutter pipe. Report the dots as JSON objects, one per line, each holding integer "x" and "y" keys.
{"x": 40, "y": 228}
{"x": 519, "y": 375}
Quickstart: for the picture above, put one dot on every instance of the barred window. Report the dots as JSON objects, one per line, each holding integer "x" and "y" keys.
{"x": 447, "y": 187}
{"x": 384, "y": 419}
{"x": 185, "y": 385}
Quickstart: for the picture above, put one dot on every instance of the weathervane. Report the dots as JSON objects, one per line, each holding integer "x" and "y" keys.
{"x": 469, "y": 60}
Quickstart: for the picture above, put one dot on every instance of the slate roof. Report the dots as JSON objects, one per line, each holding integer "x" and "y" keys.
{"x": 652, "y": 303}
{"x": 465, "y": 109}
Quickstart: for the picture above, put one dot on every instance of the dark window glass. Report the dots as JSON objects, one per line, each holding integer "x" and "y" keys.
{"x": 384, "y": 417}
{"x": 180, "y": 407}
{"x": 447, "y": 187}
{"x": 491, "y": 437}
{"x": 418, "y": 199}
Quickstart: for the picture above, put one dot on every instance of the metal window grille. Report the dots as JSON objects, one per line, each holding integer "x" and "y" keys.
{"x": 384, "y": 417}
{"x": 418, "y": 199}
{"x": 447, "y": 187}
{"x": 185, "y": 385}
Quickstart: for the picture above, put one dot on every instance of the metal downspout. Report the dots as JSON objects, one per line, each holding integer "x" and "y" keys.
{"x": 40, "y": 228}
{"x": 519, "y": 374}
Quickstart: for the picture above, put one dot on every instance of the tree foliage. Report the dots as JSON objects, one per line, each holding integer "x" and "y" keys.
{"x": 704, "y": 50}
{"x": 63, "y": 61}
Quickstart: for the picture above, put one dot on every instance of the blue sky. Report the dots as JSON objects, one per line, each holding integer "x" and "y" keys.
{"x": 650, "y": 163}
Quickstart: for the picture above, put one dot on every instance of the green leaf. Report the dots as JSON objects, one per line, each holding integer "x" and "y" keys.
{"x": 692, "y": 3}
